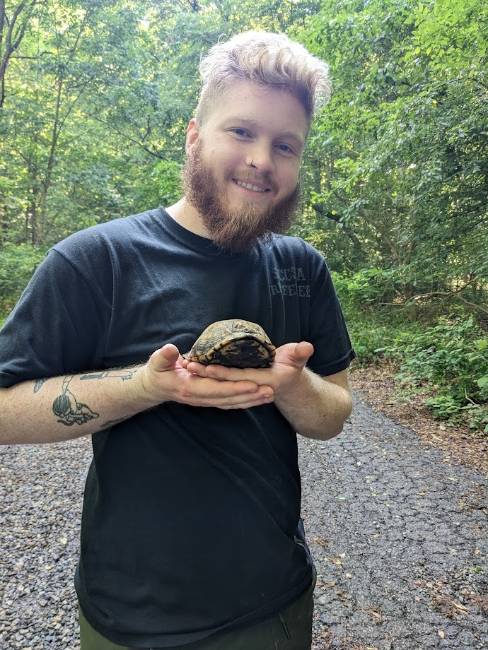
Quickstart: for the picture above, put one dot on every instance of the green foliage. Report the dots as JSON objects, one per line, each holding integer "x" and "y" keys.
{"x": 450, "y": 351}
{"x": 17, "y": 263}
{"x": 369, "y": 288}
{"x": 447, "y": 359}
{"x": 365, "y": 297}
{"x": 370, "y": 339}
{"x": 452, "y": 358}
{"x": 401, "y": 153}
{"x": 168, "y": 177}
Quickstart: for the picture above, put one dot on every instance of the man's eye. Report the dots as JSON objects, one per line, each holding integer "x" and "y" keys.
{"x": 285, "y": 148}
{"x": 240, "y": 132}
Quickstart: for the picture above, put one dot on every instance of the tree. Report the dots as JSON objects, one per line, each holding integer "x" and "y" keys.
{"x": 400, "y": 155}
{"x": 14, "y": 21}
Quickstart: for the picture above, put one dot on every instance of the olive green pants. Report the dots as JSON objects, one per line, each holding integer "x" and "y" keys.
{"x": 291, "y": 629}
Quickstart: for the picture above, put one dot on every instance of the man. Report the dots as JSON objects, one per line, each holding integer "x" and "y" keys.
{"x": 191, "y": 532}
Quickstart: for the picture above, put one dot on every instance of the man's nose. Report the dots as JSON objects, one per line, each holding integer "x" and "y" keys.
{"x": 260, "y": 156}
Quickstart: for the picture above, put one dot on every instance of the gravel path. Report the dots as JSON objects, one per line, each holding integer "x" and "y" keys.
{"x": 399, "y": 538}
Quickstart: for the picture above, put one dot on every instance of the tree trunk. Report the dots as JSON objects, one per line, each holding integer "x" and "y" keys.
{"x": 34, "y": 216}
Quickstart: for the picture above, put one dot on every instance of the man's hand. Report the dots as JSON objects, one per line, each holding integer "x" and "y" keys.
{"x": 166, "y": 377}
{"x": 288, "y": 365}
{"x": 315, "y": 406}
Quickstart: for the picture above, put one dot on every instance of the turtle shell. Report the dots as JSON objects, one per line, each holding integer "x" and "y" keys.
{"x": 236, "y": 343}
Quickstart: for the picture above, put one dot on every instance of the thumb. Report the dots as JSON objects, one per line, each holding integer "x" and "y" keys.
{"x": 302, "y": 352}
{"x": 164, "y": 359}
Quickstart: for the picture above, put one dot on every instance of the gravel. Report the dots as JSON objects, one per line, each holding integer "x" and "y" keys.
{"x": 398, "y": 536}
{"x": 399, "y": 539}
{"x": 41, "y": 492}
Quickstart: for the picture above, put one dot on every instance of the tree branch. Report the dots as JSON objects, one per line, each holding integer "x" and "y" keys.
{"x": 12, "y": 40}
{"x": 446, "y": 294}
{"x": 145, "y": 148}
{"x": 337, "y": 219}
{"x": 32, "y": 58}
{"x": 2, "y": 22}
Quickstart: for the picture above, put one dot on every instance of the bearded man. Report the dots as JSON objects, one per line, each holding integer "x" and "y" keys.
{"x": 191, "y": 532}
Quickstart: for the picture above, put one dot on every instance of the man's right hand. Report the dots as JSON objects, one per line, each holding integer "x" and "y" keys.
{"x": 164, "y": 379}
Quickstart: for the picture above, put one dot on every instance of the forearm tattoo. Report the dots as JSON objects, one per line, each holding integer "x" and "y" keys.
{"x": 104, "y": 374}
{"x": 38, "y": 384}
{"x": 68, "y": 410}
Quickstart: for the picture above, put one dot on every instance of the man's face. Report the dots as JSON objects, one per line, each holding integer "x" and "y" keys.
{"x": 242, "y": 165}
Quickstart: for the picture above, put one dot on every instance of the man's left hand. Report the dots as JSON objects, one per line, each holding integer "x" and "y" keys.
{"x": 289, "y": 362}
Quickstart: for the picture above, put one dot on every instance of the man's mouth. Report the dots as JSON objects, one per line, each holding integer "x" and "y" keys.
{"x": 251, "y": 186}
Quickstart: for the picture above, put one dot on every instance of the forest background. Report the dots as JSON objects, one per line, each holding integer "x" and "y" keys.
{"x": 95, "y": 96}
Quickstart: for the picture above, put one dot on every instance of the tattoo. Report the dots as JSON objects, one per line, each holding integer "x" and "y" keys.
{"x": 67, "y": 408}
{"x": 38, "y": 384}
{"x": 103, "y": 374}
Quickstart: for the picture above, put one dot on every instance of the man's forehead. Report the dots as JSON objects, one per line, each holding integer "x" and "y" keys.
{"x": 262, "y": 106}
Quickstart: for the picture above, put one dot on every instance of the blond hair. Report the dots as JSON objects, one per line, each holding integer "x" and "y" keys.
{"x": 268, "y": 59}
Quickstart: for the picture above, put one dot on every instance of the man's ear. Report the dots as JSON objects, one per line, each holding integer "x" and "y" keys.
{"x": 192, "y": 133}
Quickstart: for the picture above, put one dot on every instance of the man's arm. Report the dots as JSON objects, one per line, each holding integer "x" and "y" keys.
{"x": 64, "y": 408}
{"x": 317, "y": 406}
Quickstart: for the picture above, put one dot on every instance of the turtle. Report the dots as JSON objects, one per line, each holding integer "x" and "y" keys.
{"x": 234, "y": 342}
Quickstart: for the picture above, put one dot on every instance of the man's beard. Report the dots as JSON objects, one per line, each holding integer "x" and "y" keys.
{"x": 232, "y": 230}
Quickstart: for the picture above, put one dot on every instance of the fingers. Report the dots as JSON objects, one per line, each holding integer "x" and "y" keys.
{"x": 165, "y": 358}
{"x": 200, "y": 391}
{"x": 246, "y": 405}
{"x": 166, "y": 379}
{"x": 207, "y": 388}
{"x": 222, "y": 373}
{"x": 293, "y": 355}
{"x": 241, "y": 401}
{"x": 290, "y": 361}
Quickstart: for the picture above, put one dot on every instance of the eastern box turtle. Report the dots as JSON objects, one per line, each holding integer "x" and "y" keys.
{"x": 236, "y": 343}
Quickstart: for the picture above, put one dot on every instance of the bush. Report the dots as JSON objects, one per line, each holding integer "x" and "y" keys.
{"x": 447, "y": 357}
{"x": 370, "y": 338}
{"x": 372, "y": 325}
{"x": 452, "y": 358}
{"x": 368, "y": 288}
{"x": 17, "y": 264}
{"x": 358, "y": 290}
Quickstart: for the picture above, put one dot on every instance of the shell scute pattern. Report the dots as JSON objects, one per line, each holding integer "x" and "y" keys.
{"x": 235, "y": 342}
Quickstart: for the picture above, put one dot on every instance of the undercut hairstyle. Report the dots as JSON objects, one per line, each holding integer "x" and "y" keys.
{"x": 269, "y": 59}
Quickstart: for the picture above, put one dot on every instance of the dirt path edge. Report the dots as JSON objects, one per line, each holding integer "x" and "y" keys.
{"x": 459, "y": 444}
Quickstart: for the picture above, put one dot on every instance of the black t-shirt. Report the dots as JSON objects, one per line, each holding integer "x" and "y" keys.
{"x": 191, "y": 516}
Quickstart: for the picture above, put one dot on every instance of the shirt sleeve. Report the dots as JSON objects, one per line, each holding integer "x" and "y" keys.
{"x": 57, "y": 326}
{"x": 333, "y": 350}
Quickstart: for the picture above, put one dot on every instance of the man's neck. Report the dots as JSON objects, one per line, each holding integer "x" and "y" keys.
{"x": 188, "y": 217}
